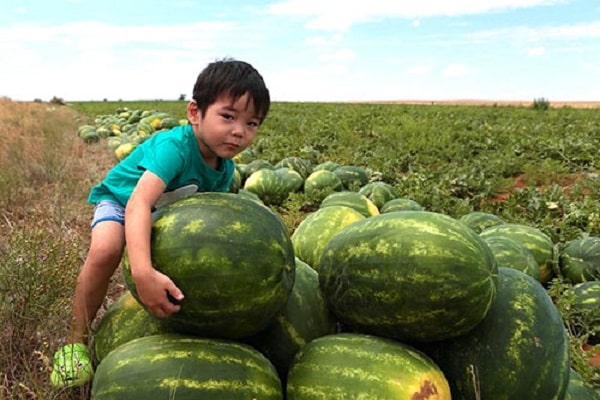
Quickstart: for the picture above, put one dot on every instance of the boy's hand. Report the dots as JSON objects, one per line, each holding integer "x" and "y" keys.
{"x": 158, "y": 293}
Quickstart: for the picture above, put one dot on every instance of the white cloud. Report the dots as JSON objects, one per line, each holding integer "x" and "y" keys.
{"x": 588, "y": 30}
{"x": 333, "y": 15}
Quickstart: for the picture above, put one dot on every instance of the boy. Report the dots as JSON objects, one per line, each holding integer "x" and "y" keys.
{"x": 230, "y": 101}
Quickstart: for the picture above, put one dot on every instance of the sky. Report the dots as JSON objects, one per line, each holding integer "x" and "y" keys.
{"x": 306, "y": 50}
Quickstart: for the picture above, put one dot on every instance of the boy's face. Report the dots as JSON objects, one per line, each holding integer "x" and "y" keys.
{"x": 226, "y": 129}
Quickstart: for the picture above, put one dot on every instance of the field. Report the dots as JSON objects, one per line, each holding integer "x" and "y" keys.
{"x": 532, "y": 166}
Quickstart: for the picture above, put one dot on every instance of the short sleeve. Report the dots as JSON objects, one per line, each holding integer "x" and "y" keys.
{"x": 163, "y": 158}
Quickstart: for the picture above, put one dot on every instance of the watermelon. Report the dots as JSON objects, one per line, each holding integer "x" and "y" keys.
{"x": 379, "y": 192}
{"x": 256, "y": 165}
{"x": 579, "y": 259}
{"x": 246, "y": 156}
{"x": 327, "y": 165}
{"x": 232, "y": 258}
{"x": 302, "y": 166}
{"x": 305, "y": 317}
{"x": 268, "y": 185}
{"x": 579, "y": 389}
{"x": 358, "y": 366}
{"x": 401, "y": 204}
{"x": 353, "y": 177}
{"x": 511, "y": 254}
{"x": 236, "y": 181}
{"x": 411, "y": 276}
{"x": 123, "y": 321}
{"x": 314, "y": 232}
{"x": 182, "y": 367}
{"x": 533, "y": 239}
{"x": 584, "y": 304}
{"x": 480, "y": 220}
{"x": 292, "y": 180}
{"x": 353, "y": 200}
{"x": 519, "y": 351}
{"x": 322, "y": 183}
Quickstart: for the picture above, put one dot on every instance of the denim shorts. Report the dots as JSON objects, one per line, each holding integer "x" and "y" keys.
{"x": 108, "y": 210}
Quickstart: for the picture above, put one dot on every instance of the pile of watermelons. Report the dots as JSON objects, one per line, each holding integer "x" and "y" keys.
{"x": 370, "y": 297}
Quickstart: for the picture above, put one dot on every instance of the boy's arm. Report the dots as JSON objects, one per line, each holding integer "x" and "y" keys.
{"x": 151, "y": 285}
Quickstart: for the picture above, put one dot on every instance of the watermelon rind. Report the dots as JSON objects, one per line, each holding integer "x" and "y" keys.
{"x": 411, "y": 275}
{"x": 172, "y": 366}
{"x": 358, "y": 366}
{"x": 232, "y": 258}
{"x": 519, "y": 351}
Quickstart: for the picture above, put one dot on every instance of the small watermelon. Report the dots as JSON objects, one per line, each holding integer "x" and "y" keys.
{"x": 511, "y": 254}
{"x": 480, "y": 220}
{"x": 379, "y": 192}
{"x": 401, "y": 204}
{"x": 579, "y": 389}
{"x": 353, "y": 177}
{"x": 533, "y": 239}
{"x": 579, "y": 260}
{"x": 322, "y": 183}
{"x": 353, "y": 200}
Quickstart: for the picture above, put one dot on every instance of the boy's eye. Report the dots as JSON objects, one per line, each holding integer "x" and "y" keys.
{"x": 253, "y": 124}
{"x": 227, "y": 116}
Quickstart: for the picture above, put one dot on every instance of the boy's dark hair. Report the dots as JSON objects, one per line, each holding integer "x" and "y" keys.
{"x": 233, "y": 78}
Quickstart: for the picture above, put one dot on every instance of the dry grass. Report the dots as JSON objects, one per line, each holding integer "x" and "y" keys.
{"x": 45, "y": 174}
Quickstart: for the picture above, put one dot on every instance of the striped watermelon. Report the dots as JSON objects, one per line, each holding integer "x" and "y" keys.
{"x": 536, "y": 241}
{"x": 579, "y": 259}
{"x": 292, "y": 180}
{"x": 316, "y": 230}
{"x": 379, "y": 192}
{"x": 269, "y": 185}
{"x": 353, "y": 177}
{"x": 411, "y": 275}
{"x": 579, "y": 389}
{"x": 480, "y": 220}
{"x": 353, "y": 200}
{"x": 181, "y": 367}
{"x": 320, "y": 184}
{"x": 327, "y": 165}
{"x": 304, "y": 318}
{"x": 301, "y": 165}
{"x": 584, "y": 304}
{"x": 232, "y": 258}
{"x": 122, "y": 322}
{"x": 511, "y": 254}
{"x": 519, "y": 351}
{"x": 401, "y": 204}
{"x": 245, "y": 156}
{"x": 357, "y": 366}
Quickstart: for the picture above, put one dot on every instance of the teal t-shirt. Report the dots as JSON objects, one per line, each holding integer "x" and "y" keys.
{"x": 173, "y": 156}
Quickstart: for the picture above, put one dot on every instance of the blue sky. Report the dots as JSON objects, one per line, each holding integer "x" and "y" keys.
{"x": 307, "y": 50}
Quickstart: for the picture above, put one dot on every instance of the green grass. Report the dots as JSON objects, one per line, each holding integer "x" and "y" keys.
{"x": 450, "y": 159}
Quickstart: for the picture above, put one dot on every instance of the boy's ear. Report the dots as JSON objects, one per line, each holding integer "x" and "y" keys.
{"x": 193, "y": 112}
